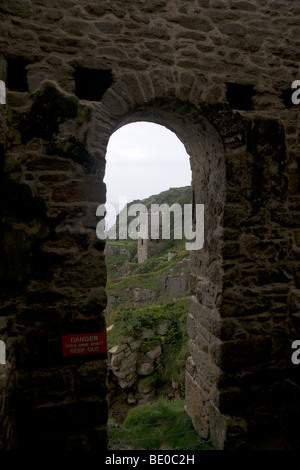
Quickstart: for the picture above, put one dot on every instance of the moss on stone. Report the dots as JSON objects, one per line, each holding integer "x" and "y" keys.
{"x": 70, "y": 148}
{"x": 50, "y": 109}
{"x": 12, "y": 163}
{"x": 83, "y": 114}
{"x": 14, "y": 124}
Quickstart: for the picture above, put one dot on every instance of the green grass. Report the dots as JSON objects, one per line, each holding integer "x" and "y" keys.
{"x": 161, "y": 425}
{"x": 131, "y": 321}
{"x": 115, "y": 263}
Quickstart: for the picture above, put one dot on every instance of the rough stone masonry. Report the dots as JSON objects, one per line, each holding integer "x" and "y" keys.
{"x": 216, "y": 72}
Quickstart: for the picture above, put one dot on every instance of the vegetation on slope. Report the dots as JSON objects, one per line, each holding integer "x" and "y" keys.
{"x": 131, "y": 321}
{"x": 162, "y": 425}
{"x": 172, "y": 196}
{"x": 149, "y": 426}
{"x": 146, "y": 275}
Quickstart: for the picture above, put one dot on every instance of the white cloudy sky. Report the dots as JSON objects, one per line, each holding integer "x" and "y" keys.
{"x": 144, "y": 159}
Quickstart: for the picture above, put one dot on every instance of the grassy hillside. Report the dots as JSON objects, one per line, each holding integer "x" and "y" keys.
{"x": 172, "y": 196}
{"x": 162, "y": 425}
{"x": 156, "y": 263}
{"x": 128, "y": 319}
{"x": 149, "y": 274}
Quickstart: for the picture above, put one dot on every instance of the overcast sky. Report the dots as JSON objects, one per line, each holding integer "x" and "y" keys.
{"x": 144, "y": 159}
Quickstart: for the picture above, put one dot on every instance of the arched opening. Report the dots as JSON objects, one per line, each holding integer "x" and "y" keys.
{"x": 135, "y": 382}
{"x": 147, "y": 277}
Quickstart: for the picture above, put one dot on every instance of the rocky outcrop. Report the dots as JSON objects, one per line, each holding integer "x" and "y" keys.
{"x": 136, "y": 296}
{"x": 133, "y": 368}
{"x": 112, "y": 250}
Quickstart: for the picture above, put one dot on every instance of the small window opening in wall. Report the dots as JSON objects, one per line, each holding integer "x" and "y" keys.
{"x": 286, "y": 97}
{"x": 239, "y": 96}
{"x": 16, "y": 74}
{"x": 2, "y": 353}
{"x": 91, "y": 84}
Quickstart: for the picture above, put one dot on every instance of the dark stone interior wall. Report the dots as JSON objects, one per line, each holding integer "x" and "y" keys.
{"x": 49, "y": 198}
{"x": 219, "y": 74}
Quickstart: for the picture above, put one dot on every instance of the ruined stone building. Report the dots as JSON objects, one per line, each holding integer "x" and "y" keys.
{"x": 152, "y": 243}
{"x": 221, "y": 74}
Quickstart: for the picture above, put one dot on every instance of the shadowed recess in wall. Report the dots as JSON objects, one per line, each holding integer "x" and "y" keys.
{"x": 239, "y": 96}
{"x": 91, "y": 84}
{"x": 17, "y": 74}
{"x": 286, "y": 97}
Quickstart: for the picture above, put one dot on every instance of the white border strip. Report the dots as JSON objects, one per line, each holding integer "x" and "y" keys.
{"x": 2, "y": 92}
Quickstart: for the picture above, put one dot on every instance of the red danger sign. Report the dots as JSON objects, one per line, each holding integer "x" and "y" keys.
{"x": 77, "y": 345}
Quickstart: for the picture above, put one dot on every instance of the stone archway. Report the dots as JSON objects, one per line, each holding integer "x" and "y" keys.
{"x": 237, "y": 321}
{"x": 207, "y": 158}
{"x": 238, "y": 173}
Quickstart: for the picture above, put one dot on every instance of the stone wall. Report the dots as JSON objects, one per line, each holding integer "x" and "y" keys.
{"x": 148, "y": 247}
{"x": 218, "y": 73}
{"x": 7, "y": 364}
{"x": 48, "y": 289}
{"x": 152, "y": 244}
